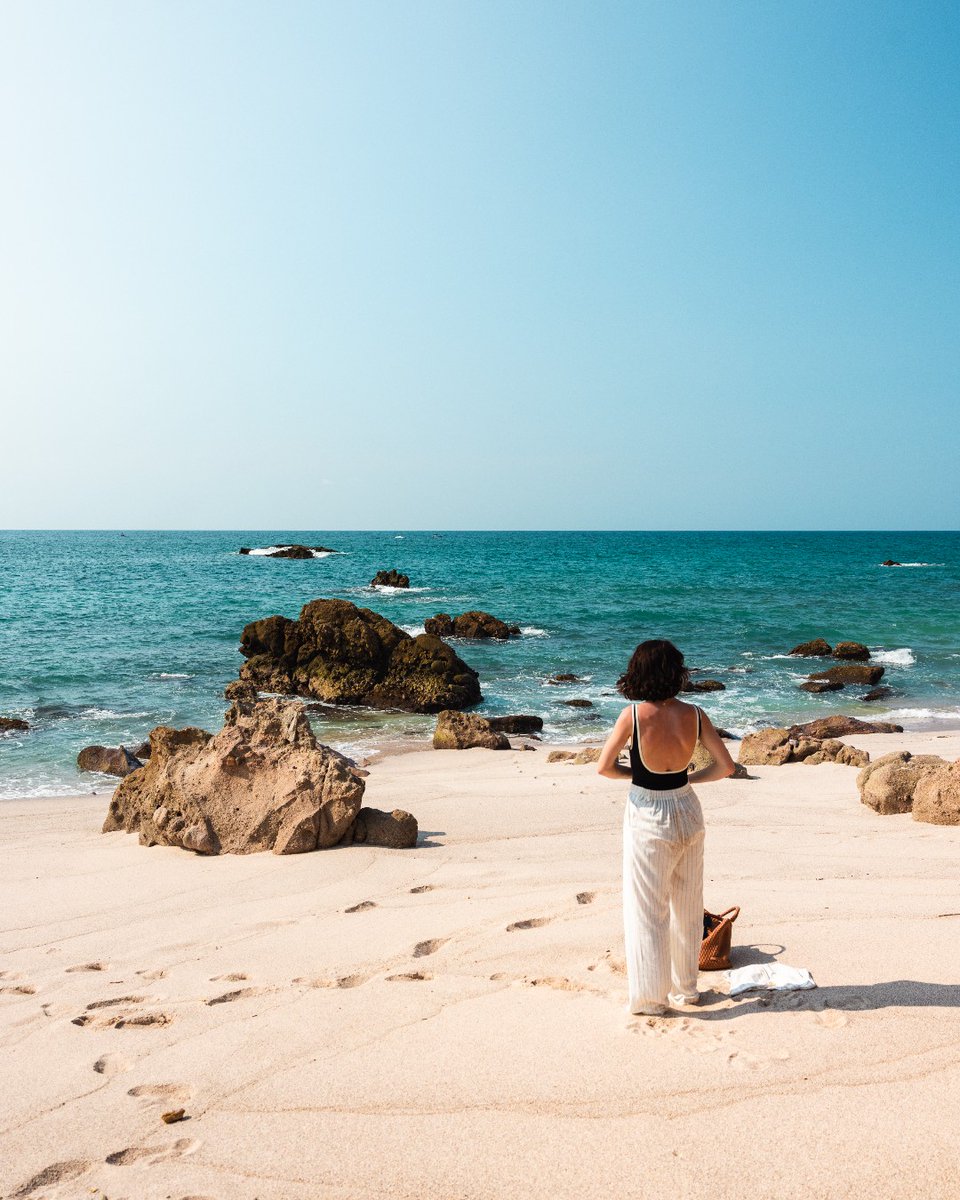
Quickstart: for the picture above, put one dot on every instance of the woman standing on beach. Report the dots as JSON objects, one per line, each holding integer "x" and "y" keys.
{"x": 662, "y": 826}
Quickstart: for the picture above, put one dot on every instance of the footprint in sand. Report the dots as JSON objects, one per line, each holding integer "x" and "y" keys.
{"x": 410, "y": 976}
{"x": 237, "y": 994}
{"x": 18, "y": 989}
{"x": 121, "y": 1020}
{"x": 154, "y": 1154}
{"x": 529, "y": 923}
{"x": 233, "y": 977}
{"x": 558, "y": 982}
{"x": 362, "y": 906}
{"x": 115, "y": 1002}
{"x": 829, "y": 1018}
{"x": 345, "y": 981}
{"x": 423, "y": 887}
{"x": 90, "y": 966}
{"x": 112, "y": 1064}
{"x": 164, "y": 1095}
{"x": 151, "y": 975}
{"x": 586, "y": 897}
{"x": 431, "y": 946}
{"x": 59, "y": 1172}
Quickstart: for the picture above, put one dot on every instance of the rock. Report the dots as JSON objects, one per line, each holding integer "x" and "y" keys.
{"x": 889, "y": 562}
{"x": 578, "y": 703}
{"x": 888, "y": 784}
{"x": 262, "y": 783}
{"x": 12, "y": 725}
{"x": 560, "y": 756}
{"x": 473, "y": 624}
{"x": 703, "y": 758}
{"x": 564, "y": 679}
{"x": 141, "y": 750}
{"x": 877, "y": 693}
{"x": 936, "y": 799}
{"x": 818, "y": 648}
{"x": 396, "y": 830}
{"x": 821, "y": 685}
{"x": 590, "y": 754}
{"x": 766, "y": 747}
{"x": 851, "y": 673}
{"x": 240, "y": 689}
{"x": 726, "y": 734}
{"x": 289, "y": 551}
{"x": 463, "y": 731}
{"x": 704, "y": 685}
{"x": 774, "y": 747}
{"x": 108, "y": 760}
{"x": 834, "y": 727}
{"x": 521, "y": 723}
{"x": 390, "y": 579}
{"x": 342, "y": 654}
{"x": 854, "y": 651}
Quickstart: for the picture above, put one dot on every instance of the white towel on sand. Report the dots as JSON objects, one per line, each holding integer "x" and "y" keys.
{"x": 773, "y": 977}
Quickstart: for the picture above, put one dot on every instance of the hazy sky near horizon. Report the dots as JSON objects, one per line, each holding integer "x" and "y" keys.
{"x": 479, "y": 264}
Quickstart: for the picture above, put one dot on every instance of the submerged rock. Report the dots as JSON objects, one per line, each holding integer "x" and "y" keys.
{"x": 342, "y": 654}
{"x": 839, "y": 726}
{"x": 877, "y": 693}
{"x": 888, "y": 784}
{"x": 108, "y": 760}
{"x": 13, "y": 725}
{"x": 704, "y": 685}
{"x": 473, "y": 624}
{"x": 262, "y": 783}
{"x": 464, "y": 731}
{"x": 851, "y": 673}
{"x": 391, "y": 578}
{"x": 580, "y": 702}
{"x": 564, "y": 678}
{"x": 287, "y": 551}
{"x": 889, "y": 562}
{"x": 818, "y": 648}
{"x": 821, "y": 685}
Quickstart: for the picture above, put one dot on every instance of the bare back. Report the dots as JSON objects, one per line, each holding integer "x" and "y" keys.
{"x": 668, "y": 734}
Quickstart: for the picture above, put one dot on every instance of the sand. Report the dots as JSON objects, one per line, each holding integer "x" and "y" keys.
{"x": 449, "y": 1022}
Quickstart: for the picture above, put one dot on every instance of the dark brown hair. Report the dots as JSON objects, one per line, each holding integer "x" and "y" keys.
{"x": 655, "y": 672}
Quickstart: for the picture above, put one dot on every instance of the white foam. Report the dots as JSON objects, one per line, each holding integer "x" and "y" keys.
{"x": 173, "y": 675}
{"x": 107, "y": 714}
{"x": 413, "y": 630}
{"x": 923, "y": 714}
{"x": 267, "y": 550}
{"x": 904, "y": 657}
{"x": 389, "y": 590}
{"x": 533, "y": 631}
{"x": 923, "y": 564}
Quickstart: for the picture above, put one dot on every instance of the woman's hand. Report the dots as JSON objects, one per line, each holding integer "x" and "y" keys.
{"x": 722, "y": 765}
{"x": 607, "y": 764}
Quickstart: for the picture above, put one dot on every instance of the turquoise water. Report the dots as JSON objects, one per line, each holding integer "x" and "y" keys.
{"x": 103, "y": 635}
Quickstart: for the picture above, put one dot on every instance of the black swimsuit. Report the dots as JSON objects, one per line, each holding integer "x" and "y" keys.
{"x": 655, "y": 781}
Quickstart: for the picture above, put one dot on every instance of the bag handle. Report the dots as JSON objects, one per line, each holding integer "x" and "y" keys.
{"x": 736, "y": 913}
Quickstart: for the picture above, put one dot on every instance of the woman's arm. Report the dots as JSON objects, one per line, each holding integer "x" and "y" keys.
{"x": 722, "y": 765}
{"x": 607, "y": 764}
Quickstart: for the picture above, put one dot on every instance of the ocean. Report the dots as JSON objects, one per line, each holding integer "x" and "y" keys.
{"x": 105, "y": 634}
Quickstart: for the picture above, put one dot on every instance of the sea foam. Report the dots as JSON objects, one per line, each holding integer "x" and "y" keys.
{"x": 904, "y": 657}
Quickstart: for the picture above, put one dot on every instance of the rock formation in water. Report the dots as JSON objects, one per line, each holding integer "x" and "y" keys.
{"x": 473, "y": 624}
{"x": 851, "y": 651}
{"x": 464, "y": 731}
{"x": 818, "y": 648}
{"x": 840, "y": 726}
{"x": 390, "y": 579}
{"x": 288, "y": 551}
{"x": 263, "y": 782}
{"x": 342, "y": 654}
{"x": 704, "y": 685}
{"x": 108, "y": 760}
{"x": 13, "y": 725}
{"x": 851, "y": 673}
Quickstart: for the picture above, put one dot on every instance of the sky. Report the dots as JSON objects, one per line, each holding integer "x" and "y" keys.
{"x": 478, "y": 264}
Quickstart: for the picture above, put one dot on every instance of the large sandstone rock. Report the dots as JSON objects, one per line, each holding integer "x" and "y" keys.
{"x": 776, "y": 746}
{"x": 391, "y": 578}
{"x": 342, "y": 654}
{"x": 579, "y": 758}
{"x": 108, "y": 760}
{"x": 13, "y": 725}
{"x": 262, "y": 783}
{"x": 853, "y": 651}
{"x": 463, "y": 731}
{"x": 818, "y": 648}
{"x": 839, "y": 726}
{"x": 473, "y": 624}
{"x": 703, "y": 758}
{"x": 518, "y": 723}
{"x": 936, "y": 799}
{"x": 851, "y": 673}
{"x": 888, "y": 784}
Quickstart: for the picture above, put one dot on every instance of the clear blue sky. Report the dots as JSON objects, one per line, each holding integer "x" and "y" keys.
{"x": 479, "y": 264}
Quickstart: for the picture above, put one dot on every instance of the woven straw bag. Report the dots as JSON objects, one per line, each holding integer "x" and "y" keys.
{"x": 717, "y": 933}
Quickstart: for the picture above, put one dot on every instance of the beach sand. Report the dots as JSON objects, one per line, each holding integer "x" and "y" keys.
{"x": 463, "y": 1032}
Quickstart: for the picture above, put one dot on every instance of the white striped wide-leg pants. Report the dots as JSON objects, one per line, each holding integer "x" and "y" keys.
{"x": 662, "y": 896}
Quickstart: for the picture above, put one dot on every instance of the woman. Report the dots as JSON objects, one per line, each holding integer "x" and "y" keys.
{"x": 662, "y": 826}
